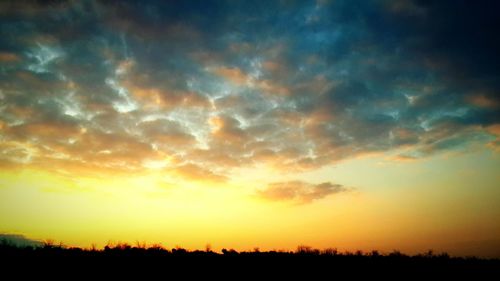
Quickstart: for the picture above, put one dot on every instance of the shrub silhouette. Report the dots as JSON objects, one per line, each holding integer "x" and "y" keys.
{"x": 304, "y": 258}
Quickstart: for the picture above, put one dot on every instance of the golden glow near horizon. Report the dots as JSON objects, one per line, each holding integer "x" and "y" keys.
{"x": 413, "y": 208}
{"x": 267, "y": 126}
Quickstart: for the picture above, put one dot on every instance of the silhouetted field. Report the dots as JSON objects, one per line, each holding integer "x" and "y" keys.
{"x": 305, "y": 261}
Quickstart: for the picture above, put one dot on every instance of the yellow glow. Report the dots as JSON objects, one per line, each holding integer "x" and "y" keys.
{"x": 416, "y": 209}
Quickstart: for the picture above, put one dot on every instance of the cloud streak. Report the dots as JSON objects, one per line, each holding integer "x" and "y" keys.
{"x": 299, "y": 191}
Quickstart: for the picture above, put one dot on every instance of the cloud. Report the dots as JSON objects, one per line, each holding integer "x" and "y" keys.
{"x": 169, "y": 132}
{"x": 239, "y": 78}
{"x": 299, "y": 191}
{"x": 402, "y": 158}
{"x": 19, "y": 240}
{"x": 6, "y": 57}
{"x": 234, "y": 84}
{"x": 484, "y": 101}
{"x": 226, "y": 129}
{"x": 234, "y": 75}
{"x": 494, "y": 130}
{"x": 194, "y": 172}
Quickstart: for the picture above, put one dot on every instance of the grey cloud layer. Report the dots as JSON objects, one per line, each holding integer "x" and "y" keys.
{"x": 215, "y": 85}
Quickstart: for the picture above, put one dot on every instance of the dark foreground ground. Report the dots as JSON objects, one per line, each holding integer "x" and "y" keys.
{"x": 305, "y": 263}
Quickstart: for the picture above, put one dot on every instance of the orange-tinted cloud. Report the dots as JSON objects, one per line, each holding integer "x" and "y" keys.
{"x": 484, "y": 101}
{"x": 233, "y": 74}
{"x": 299, "y": 191}
{"x": 403, "y": 158}
{"x": 195, "y": 172}
{"x": 495, "y": 131}
{"x": 240, "y": 78}
{"x": 226, "y": 129}
{"x": 6, "y": 57}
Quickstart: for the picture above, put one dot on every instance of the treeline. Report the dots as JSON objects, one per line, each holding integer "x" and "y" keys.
{"x": 159, "y": 250}
{"x": 304, "y": 261}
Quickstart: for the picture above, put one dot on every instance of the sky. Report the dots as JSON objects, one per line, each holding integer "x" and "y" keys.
{"x": 241, "y": 124}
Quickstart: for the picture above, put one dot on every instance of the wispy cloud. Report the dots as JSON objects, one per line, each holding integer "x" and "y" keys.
{"x": 299, "y": 191}
{"x": 294, "y": 87}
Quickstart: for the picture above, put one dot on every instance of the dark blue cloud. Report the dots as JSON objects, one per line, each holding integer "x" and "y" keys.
{"x": 292, "y": 83}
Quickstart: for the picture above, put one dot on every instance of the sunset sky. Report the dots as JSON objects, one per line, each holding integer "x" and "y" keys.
{"x": 241, "y": 124}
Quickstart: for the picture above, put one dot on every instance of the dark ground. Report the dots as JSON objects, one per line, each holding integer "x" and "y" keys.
{"x": 305, "y": 263}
